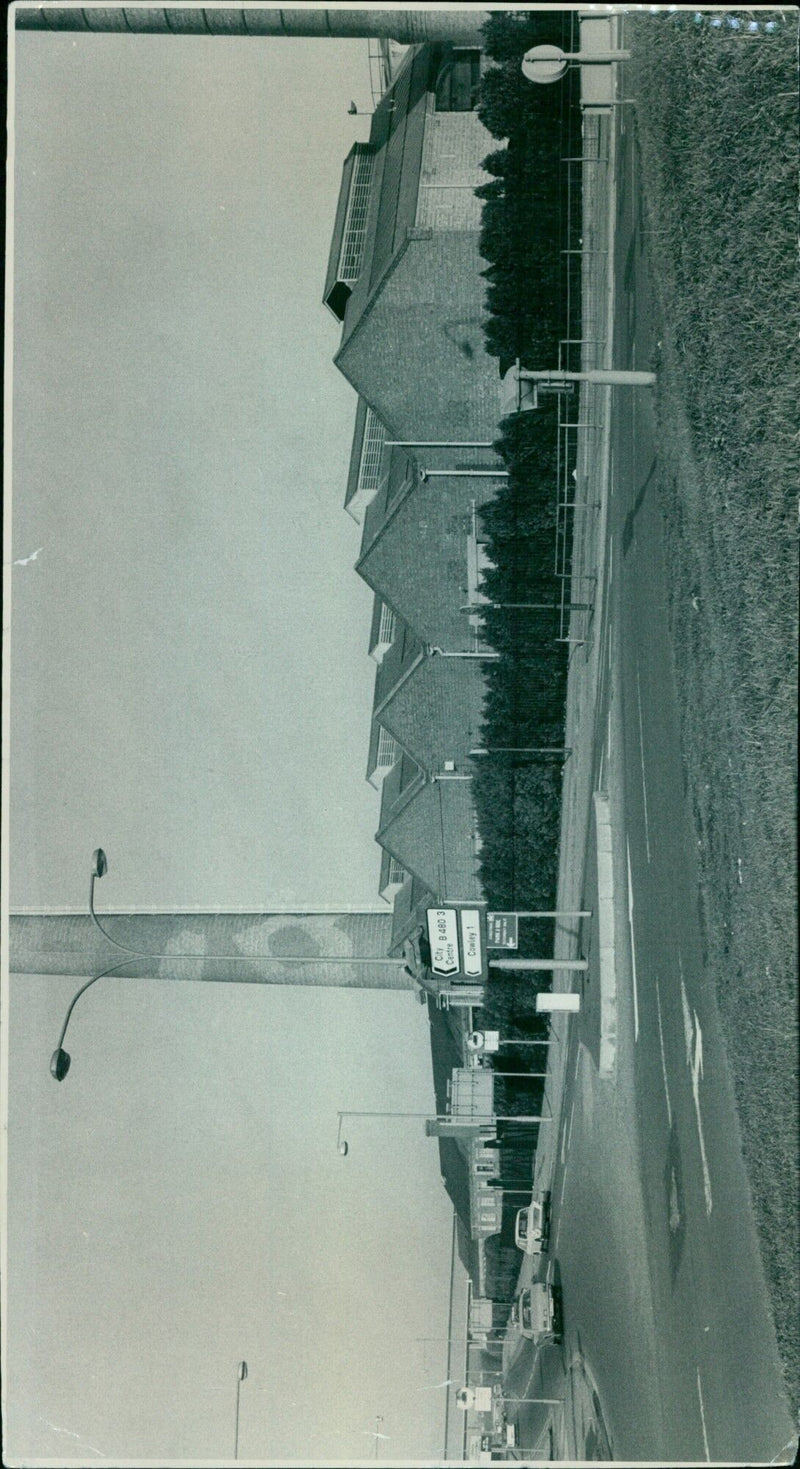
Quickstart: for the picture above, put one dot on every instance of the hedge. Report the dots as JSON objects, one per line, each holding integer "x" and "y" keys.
{"x": 523, "y": 224}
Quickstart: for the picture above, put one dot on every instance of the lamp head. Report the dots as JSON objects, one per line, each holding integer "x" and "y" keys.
{"x": 59, "y": 1064}
{"x": 344, "y": 1148}
{"x": 241, "y": 1371}
{"x": 99, "y": 863}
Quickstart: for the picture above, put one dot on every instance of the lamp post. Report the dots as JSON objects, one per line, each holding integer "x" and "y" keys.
{"x": 343, "y": 1147}
{"x": 342, "y": 1144}
{"x": 241, "y": 1373}
{"x": 438, "y": 444}
{"x": 60, "y": 1060}
{"x": 426, "y": 474}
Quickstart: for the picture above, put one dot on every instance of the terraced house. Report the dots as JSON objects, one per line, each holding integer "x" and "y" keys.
{"x": 404, "y": 281}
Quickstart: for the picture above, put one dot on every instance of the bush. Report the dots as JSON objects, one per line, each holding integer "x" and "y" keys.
{"x": 507, "y": 35}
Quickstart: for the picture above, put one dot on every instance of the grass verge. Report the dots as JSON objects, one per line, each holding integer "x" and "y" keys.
{"x": 717, "y": 126}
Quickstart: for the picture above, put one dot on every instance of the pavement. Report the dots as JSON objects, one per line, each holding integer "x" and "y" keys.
{"x": 669, "y": 1350}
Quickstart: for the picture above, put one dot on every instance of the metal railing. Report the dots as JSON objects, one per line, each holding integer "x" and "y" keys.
{"x": 584, "y": 346}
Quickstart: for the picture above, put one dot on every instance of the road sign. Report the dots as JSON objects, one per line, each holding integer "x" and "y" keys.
{"x": 457, "y": 937}
{"x": 443, "y": 938}
{"x": 472, "y": 958}
{"x": 502, "y": 930}
{"x": 483, "y": 1040}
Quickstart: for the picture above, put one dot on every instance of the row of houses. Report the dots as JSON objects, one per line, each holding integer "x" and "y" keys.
{"x": 404, "y": 282}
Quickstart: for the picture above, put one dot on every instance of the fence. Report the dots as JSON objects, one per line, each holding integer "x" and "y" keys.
{"x": 585, "y": 345}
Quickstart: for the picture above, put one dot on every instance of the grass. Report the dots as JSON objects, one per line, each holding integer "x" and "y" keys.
{"x": 716, "y": 124}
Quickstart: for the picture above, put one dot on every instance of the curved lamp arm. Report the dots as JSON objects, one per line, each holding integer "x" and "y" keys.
{"x": 60, "y": 1061}
{"x": 99, "y": 869}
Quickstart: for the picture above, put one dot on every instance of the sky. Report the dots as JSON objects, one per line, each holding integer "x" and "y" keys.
{"x": 191, "y": 689}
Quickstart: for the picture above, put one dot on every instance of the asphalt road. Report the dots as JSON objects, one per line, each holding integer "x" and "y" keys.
{"x": 669, "y": 1350}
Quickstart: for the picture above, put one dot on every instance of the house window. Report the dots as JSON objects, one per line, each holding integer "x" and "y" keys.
{"x": 387, "y": 749}
{"x": 387, "y": 625}
{"x": 458, "y": 82}
{"x": 477, "y": 564}
{"x": 397, "y": 873}
{"x": 371, "y": 454}
{"x": 355, "y": 225}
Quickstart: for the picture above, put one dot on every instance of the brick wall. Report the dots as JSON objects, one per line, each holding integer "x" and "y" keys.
{"x": 454, "y": 144}
{"x": 436, "y": 714}
{"x": 418, "y": 356}
{"x": 418, "y": 564}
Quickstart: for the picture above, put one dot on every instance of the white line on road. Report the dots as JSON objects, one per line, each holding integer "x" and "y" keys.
{"x": 663, "y": 1057}
{"x": 605, "y": 753}
{"x": 641, "y": 760}
{"x": 693, "y": 1037}
{"x": 566, "y": 1135}
{"x": 703, "y": 1416}
{"x": 610, "y": 559}
{"x": 633, "y": 946}
{"x": 569, "y": 1126}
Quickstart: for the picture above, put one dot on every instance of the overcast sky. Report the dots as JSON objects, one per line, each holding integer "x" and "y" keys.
{"x": 191, "y": 688}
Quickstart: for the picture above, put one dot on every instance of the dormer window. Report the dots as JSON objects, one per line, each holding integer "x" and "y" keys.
{"x": 386, "y": 631}
{"x": 371, "y": 454}
{"x": 350, "y": 234}
{"x": 387, "y": 751}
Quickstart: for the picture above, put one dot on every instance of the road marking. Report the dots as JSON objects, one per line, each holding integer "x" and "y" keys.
{"x": 610, "y": 559}
{"x": 663, "y": 1057}
{"x": 605, "y": 753}
{"x": 703, "y": 1416}
{"x": 641, "y": 760}
{"x": 693, "y": 1038}
{"x": 633, "y": 946}
{"x": 567, "y": 1134}
{"x": 569, "y": 1124}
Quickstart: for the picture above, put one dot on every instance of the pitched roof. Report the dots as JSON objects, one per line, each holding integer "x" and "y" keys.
{"x": 396, "y": 140}
{"x": 434, "y": 711}
{"x": 430, "y": 831}
{"x": 409, "y": 906}
{"x": 414, "y": 555}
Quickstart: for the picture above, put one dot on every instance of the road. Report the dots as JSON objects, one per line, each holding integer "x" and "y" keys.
{"x": 669, "y": 1350}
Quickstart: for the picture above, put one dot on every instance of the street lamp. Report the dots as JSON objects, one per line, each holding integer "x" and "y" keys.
{"x": 60, "y": 1060}
{"x": 342, "y": 1144}
{"x": 241, "y": 1373}
{"x": 343, "y": 1147}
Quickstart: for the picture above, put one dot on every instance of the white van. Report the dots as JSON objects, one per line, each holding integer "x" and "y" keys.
{"x": 532, "y": 1227}
{"x": 536, "y": 1312}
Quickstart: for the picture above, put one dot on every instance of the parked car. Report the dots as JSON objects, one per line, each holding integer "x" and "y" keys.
{"x": 532, "y": 1228}
{"x": 537, "y": 1312}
